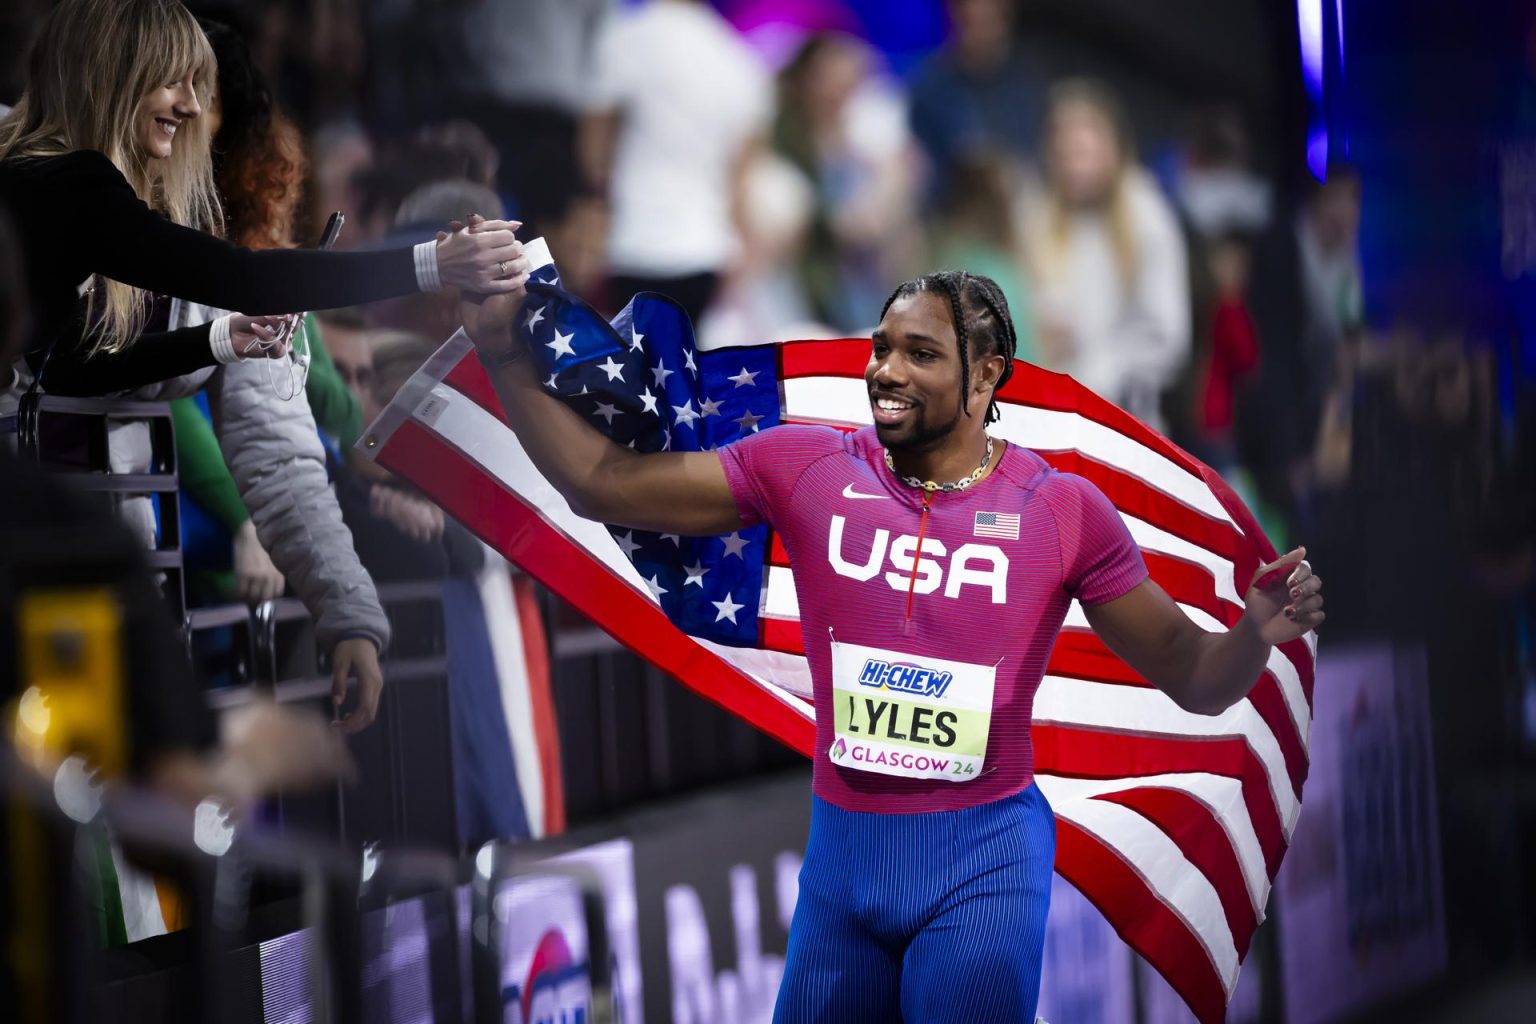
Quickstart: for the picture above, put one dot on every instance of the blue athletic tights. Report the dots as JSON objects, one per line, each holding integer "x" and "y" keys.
{"x": 921, "y": 917}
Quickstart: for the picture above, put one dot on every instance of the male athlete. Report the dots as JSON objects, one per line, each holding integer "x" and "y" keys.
{"x": 927, "y": 875}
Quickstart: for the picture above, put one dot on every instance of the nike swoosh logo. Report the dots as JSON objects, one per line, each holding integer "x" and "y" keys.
{"x": 849, "y": 492}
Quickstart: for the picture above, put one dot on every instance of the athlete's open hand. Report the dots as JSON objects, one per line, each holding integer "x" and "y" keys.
{"x": 1285, "y": 598}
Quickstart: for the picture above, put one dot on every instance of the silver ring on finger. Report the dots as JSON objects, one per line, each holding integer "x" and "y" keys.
{"x": 503, "y": 265}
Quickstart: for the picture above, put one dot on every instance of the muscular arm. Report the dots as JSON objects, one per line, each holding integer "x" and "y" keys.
{"x": 1206, "y": 673}
{"x": 669, "y": 492}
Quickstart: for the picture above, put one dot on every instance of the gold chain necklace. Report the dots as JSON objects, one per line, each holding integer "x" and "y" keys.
{"x": 930, "y": 486}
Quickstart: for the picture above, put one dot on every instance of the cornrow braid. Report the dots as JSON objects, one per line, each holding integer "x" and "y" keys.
{"x": 962, "y": 336}
{"x": 984, "y": 297}
{"x": 997, "y": 306}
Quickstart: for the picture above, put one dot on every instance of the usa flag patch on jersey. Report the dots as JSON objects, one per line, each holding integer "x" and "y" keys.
{"x": 998, "y": 524}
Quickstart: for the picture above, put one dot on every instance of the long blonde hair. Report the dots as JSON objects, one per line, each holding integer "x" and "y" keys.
{"x": 91, "y": 64}
{"x": 1089, "y": 93}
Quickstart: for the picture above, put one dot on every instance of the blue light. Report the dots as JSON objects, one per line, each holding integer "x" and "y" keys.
{"x": 1309, "y": 22}
{"x": 1317, "y": 150}
{"x": 1338, "y": 17}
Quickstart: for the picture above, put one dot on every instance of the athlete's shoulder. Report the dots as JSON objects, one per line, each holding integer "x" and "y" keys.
{"x": 791, "y": 440}
{"x": 1023, "y": 467}
{"x": 1072, "y": 497}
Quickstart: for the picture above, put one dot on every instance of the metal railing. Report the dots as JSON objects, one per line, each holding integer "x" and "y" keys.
{"x": 218, "y": 867}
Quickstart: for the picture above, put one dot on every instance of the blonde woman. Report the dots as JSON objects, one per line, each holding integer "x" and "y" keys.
{"x": 105, "y": 166}
{"x": 1112, "y": 304}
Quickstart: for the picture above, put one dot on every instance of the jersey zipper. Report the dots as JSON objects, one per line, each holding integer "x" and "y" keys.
{"x": 917, "y": 559}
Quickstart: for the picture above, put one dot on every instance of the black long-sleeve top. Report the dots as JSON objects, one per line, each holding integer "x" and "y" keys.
{"x": 77, "y": 216}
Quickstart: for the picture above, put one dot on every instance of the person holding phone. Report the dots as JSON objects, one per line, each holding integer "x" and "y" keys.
{"x": 105, "y": 167}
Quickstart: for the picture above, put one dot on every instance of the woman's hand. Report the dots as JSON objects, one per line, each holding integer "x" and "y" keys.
{"x": 488, "y": 259}
{"x": 259, "y": 337}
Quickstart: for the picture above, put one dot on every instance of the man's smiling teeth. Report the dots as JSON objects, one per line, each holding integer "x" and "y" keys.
{"x": 892, "y": 405}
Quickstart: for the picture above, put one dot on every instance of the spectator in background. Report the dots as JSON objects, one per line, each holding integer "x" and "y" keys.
{"x": 522, "y": 72}
{"x": 1113, "y": 298}
{"x": 1216, "y": 187}
{"x": 763, "y": 300}
{"x": 346, "y": 338}
{"x": 679, "y": 107}
{"x": 445, "y": 151}
{"x": 341, "y": 156}
{"x": 1223, "y": 206}
{"x": 854, "y": 148}
{"x": 578, "y": 239}
{"x": 977, "y": 229}
{"x": 978, "y": 93}
{"x": 352, "y": 341}
{"x": 1227, "y": 352}
{"x": 434, "y": 316}
{"x": 1305, "y": 297}
{"x": 400, "y": 535}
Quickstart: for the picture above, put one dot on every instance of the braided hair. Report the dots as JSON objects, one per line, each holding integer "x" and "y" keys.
{"x": 980, "y": 315}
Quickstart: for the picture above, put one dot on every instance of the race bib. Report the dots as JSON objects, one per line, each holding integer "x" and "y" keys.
{"x": 898, "y": 714}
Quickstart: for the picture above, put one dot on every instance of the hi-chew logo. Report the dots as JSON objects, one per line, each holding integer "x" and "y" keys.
{"x": 905, "y": 677}
{"x": 558, "y": 989}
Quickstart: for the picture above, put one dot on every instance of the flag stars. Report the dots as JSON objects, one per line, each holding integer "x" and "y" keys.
{"x": 685, "y": 413}
{"x": 709, "y": 407}
{"x": 562, "y": 344}
{"x": 688, "y": 362}
{"x": 649, "y": 401}
{"x": 551, "y": 382}
{"x": 735, "y": 544}
{"x": 696, "y": 573}
{"x": 727, "y": 609}
{"x": 743, "y": 379}
{"x": 626, "y": 542}
{"x": 606, "y": 411}
{"x": 661, "y": 373}
{"x": 615, "y": 371}
{"x": 656, "y": 589}
{"x": 748, "y": 421}
{"x": 635, "y": 339}
{"x": 532, "y": 319}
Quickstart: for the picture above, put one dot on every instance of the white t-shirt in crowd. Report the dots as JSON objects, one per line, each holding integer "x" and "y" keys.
{"x": 690, "y": 94}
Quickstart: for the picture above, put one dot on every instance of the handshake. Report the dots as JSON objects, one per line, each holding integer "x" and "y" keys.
{"x": 482, "y": 256}
{"x": 478, "y": 256}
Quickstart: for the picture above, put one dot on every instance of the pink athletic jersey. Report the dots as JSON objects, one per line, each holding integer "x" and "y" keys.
{"x": 930, "y": 713}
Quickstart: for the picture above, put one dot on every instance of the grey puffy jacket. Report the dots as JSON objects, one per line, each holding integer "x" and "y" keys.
{"x": 273, "y": 450}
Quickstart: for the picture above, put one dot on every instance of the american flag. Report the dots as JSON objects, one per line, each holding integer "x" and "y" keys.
{"x": 1173, "y": 824}
{"x": 997, "y": 524}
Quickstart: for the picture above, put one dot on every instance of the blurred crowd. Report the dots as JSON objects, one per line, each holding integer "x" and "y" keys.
{"x": 778, "y": 186}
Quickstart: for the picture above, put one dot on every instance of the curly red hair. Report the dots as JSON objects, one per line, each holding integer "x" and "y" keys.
{"x": 260, "y": 178}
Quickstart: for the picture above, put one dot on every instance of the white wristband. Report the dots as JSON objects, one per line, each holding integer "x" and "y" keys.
{"x": 427, "y": 277}
{"x": 219, "y": 341}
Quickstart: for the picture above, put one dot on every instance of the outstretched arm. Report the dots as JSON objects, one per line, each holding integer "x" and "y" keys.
{"x": 1206, "y": 673}
{"x": 669, "y": 492}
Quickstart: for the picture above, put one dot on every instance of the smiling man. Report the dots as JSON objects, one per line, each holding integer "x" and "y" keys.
{"x": 934, "y": 566}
